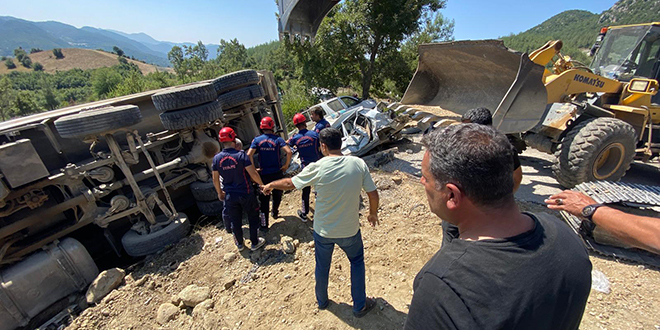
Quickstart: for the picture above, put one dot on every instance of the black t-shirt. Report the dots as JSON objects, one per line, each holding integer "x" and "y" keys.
{"x": 538, "y": 280}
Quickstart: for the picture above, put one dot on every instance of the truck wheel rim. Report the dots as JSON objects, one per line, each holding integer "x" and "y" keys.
{"x": 608, "y": 161}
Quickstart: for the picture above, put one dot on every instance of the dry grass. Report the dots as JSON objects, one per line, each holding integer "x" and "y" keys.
{"x": 75, "y": 58}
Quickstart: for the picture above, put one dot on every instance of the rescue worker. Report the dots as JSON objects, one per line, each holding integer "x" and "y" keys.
{"x": 269, "y": 145}
{"x": 237, "y": 192}
{"x": 226, "y": 221}
{"x": 309, "y": 150}
{"x": 317, "y": 116}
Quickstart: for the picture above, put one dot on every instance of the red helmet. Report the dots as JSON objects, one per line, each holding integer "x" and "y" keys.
{"x": 299, "y": 118}
{"x": 267, "y": 123}
{"x": 227, "y": 134}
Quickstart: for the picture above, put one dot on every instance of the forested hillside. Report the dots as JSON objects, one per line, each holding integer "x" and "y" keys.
{"x": 342, "y": 57}
{"x": 578, "y": 28}
{"x": 355, "y": 50}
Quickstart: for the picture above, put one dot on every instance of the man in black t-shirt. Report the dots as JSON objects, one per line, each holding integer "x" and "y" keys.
{"x": 502, "y": 269}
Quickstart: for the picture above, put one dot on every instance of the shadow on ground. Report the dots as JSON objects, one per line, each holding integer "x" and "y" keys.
{"x": 383, "y": 316}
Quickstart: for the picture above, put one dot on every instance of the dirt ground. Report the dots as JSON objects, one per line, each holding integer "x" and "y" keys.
{"x": 272, "y": 290}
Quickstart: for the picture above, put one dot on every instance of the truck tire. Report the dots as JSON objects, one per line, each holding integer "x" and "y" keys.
{"x": 184, "y": 97}
{"x": 204, "y": 191}
{"x": 186, "y": 118}
{"x": 212, "y": 209}
{"x": 241, "y": 96}
{"x": 97, "y": 121}
{"x": 595, "y": 149}
{"x": 137, "y": 245}
{"x": 235, "y": 80}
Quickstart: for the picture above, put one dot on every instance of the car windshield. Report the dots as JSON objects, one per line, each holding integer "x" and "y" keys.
{"x": 627, "y": 53}
{"x": 335, "y": 105}
{"x": 349, "y": 101}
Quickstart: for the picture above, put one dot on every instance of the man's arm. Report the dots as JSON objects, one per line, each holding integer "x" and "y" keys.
{"x": 517, "y": 178}
{"x": 638, "y": 231}
{"x": 254, "y": 175}
{"x": 250, "y": 154}
{"x": 281, "y": 184}
{"x": 373, "y": 208}
{"x": 289, "y": 153}
{"x": 216, "y": 184}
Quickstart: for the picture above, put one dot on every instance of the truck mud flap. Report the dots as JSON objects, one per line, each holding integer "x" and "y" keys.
{"x": 458, "y": 76}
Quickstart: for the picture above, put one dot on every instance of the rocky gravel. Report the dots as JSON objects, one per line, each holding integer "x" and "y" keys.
{"x": 274, "y": 288}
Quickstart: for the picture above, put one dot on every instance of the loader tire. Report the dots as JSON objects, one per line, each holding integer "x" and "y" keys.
{"x": 186, "y": 118}
{"x": 184, "y": 97}
{"x": 98, "y": 121}
{"x": 595, "y": 149}
{"x": 212, "y": 209}
{"x": 235, "y": 80}
{"x": 137, "y": 245}
{"x": 204, "y": 191}
{"x": 241, "y": 96}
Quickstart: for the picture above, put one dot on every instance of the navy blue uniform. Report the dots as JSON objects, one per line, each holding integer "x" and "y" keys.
{"x": 237, "y": 185}
{"x": 308, "y": 146}
{"x": 268, "y": 148}
{"x": 321, "y": 125}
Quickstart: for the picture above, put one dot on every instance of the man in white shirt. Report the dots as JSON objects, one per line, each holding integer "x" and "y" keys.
{"x": 338, "y": 180}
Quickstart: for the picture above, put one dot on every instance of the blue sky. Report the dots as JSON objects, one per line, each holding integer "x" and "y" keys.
{"x": 253, "y": 21}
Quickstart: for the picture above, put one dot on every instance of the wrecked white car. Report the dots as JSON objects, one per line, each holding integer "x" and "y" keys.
{"x": 336, "y": 106}
{"x": 363, "y": 129}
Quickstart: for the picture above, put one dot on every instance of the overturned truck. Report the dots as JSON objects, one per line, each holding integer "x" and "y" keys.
{"x": 111, "y": 176}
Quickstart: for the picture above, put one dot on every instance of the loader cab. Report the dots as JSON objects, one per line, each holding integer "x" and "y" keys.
{"x": 628, "y": 52}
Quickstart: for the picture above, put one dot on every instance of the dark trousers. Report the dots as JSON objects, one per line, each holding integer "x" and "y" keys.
{"x": 235, "y": 204}
{"x": 305, "y": 199}
{"x": 354, "y": 249}
{"x": 265, "y": 199}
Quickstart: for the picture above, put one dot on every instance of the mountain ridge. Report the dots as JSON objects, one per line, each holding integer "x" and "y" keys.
{"x": 50, "y": 34}
{"x": 578, "y": 29}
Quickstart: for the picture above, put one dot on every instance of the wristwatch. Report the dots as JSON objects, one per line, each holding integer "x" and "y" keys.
{"x": 589, "y": 210}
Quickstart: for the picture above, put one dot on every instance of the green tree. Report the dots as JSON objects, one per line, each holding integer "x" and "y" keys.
{"x": 104, "y": 80}
{"x": 25, "y": 104}
{"x": 176, "y": 57}
{"x": 58, "y": 53}
{"x": 26, "y": 61}
{"x": 199, "y": 51}
{"x": 9, "y": 63}
{"x": 191, "y": 63}
{"x": 50, "y": 99}
{"x": 7, "y": 96}
{"x": 232, "y": 56}
{"x": 358, "y": 32}
{"x": 133, "y": 83}
{"x": 118, "y": 51}
{"x": 35, "y": 50}
{"x": 19, "y": 54}
{"x": 37, "y": 66}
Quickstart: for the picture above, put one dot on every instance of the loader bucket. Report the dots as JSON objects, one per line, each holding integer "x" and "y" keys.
{"x": 302, "y": 17}
{"x": 462, "y": 75}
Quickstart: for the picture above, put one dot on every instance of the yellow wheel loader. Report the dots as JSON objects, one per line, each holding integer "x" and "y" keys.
{"x": 595, "y": 119}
